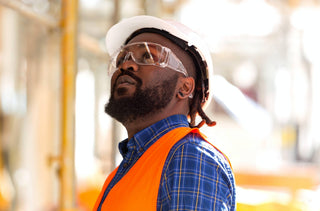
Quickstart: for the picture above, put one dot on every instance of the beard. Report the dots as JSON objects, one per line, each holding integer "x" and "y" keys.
{"x": 143, "y": 102}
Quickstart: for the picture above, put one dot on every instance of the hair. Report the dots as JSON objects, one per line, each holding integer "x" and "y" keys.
{"x": 201, "y": 80}
{"x": 195, "y": 107}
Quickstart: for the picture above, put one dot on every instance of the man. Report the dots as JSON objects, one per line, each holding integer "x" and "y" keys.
{"x": 160, "y": 78}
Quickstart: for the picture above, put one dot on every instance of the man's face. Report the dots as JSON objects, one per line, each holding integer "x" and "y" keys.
{"x": 124, "y": 106}
{"x": 140, "y": 90}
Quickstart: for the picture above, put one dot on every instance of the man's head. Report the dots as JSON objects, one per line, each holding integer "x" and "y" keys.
{"x": 177, "y": 73}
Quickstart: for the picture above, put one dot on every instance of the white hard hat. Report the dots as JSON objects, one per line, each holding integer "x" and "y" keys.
{"x": 119, "y": 33}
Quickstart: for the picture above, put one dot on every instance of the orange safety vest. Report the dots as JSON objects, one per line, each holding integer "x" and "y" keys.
{"x": 138, "y": 189}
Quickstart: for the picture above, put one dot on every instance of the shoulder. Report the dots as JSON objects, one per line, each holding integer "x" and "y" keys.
{"x": 193, "y": 148}
{"x": 198, "y": 173}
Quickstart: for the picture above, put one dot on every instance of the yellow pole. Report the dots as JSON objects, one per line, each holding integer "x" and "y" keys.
{"x": 68, "y": 60}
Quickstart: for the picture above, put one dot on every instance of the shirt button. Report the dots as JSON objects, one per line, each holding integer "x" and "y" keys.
{"x": 141, "y": 150}
{"x": 125, "y": 165}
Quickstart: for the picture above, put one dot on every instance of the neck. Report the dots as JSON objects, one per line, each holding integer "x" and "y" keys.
{"x": 140, "y": 123}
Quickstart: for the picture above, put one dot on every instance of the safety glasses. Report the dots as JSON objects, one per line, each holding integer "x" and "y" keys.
{"x": 147, "y": 53}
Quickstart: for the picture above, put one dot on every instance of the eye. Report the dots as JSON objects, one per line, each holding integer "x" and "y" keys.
{"x": 119, "y": 61}
{"x": 147, "y": 58}
{"x": 120, "y": 58}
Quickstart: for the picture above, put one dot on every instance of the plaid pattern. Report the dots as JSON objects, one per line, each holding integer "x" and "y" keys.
{"x": 195, "y": 175}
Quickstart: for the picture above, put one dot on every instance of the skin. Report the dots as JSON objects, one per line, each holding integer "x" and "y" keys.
{"x": 152, "y": 75}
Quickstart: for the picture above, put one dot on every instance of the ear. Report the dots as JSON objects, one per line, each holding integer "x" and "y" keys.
{"x": 186, "y": 87}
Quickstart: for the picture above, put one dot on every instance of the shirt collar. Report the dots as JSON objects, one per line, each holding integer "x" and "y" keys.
{"x": 142, "y": 140}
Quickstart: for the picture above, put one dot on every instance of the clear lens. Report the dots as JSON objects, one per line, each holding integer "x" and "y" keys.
{"x": 146, "y": 53}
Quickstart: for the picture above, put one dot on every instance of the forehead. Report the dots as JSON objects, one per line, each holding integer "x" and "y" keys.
{"x": 159, "y": 39}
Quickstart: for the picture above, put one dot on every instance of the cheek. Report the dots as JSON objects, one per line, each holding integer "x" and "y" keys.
{"x": 160, "y": 80}
{"x": 152, "y": 80}
{"x": 113, "y": 79}
{"x": 154, "y": 74}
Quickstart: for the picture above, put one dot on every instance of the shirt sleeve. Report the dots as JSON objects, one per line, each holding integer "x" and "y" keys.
{"x": 196, "y": 177}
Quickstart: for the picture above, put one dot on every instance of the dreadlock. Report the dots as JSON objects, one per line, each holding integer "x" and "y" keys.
{"x": 196, "y": 108}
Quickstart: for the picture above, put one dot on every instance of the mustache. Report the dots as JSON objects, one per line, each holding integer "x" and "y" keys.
{"x": 129, "y": 73}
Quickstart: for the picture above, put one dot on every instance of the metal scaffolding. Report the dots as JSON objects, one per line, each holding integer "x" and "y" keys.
{"x": 21, "y": 8}
{"x": 68, "y": 56}
{"x": 68, "y": 27}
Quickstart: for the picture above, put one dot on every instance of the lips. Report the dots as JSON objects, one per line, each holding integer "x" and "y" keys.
{"x": 125, "y": 80}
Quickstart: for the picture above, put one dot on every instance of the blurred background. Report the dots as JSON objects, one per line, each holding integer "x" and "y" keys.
{"x": 57, "y": 145}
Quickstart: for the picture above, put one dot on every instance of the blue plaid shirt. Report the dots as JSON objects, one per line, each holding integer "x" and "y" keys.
{"x": 195, "y": 175}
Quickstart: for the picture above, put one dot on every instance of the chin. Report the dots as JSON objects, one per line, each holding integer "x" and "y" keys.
{"x": 123, "y": 92}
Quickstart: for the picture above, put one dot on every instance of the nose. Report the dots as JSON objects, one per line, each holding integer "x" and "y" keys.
{"x": 129, "y": 65}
